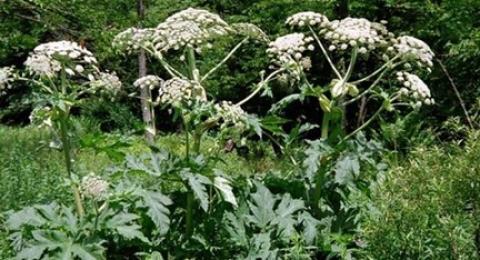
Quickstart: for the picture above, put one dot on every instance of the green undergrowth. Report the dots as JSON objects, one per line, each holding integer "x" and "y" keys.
{"x": 30, "y": 170}
{"x": 428, "y": 205}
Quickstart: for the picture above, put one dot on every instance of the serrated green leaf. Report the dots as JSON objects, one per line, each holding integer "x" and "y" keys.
{"x": 198, "y": 184}
{"x": 156, "y": 204}
{"x": 223, "y": 185}
{"x": 346, "y": 169}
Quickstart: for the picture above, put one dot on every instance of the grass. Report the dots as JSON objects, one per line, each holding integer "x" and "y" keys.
{"x": 428, "y": 206}
{"x": 31, "y": 172}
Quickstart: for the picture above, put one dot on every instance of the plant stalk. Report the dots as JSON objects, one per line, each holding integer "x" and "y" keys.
{"x": 68, "y": 163}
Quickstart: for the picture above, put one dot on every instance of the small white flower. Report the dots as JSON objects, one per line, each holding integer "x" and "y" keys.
{"x": 69, "y": 71}
{"x": 79, "y": 68}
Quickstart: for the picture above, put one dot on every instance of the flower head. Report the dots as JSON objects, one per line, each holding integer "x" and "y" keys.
{"x": 414, "y": 87}
{"x": 304, "y": 19}
{"x": 190, "y": 27}
{"x": 290, "y": 47}
{"x": 132, "y": 39}
{"x": 94, "y": 187}
{"x": 50, "y": 58}
{"x": 179, "y": 92}
{"x": 356, "y": 32}
{"x": 413, "y": 49}
{"x": 231, "y": 115}
{"x": 107, "y": 83}
{"x": 149, "y": 81}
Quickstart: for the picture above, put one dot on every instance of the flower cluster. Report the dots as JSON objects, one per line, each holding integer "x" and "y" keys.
{"x": 149, "y": 81}
{"x": 6, "y": 77}
{"x": 356, "y": 32}
{"x": 202, "y": 18}
{"x": 251, "y": 31}
{"x": 133, "y": 39}
{"x": 106, "y": 83}
{"x": 231, "y": 114}
{"x": 304, "y": 19}
{"x": 290, "y": 46}
{"x": 415, "y": 88}
{"x": 177, "y": 92}
{"x": 190, "y": 27}
{"x": 413, "y": 49}
{"x": 94, "y": 187}
{"x": 50, "y": 58}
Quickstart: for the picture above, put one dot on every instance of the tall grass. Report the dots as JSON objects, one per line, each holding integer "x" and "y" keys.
{"x": 428, "y": 206}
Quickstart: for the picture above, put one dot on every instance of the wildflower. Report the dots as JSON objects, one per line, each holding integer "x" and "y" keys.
{"x": 93, "y": 186}
{"x": 106, "y": 83}
{"x": 48, "y": 59}
{"x": 414, "y": 88}
{"x": 42, "y": 65}
{"x": 413, "y": 49}
{"x": 190, "y": 27}
{"x": 132, "y": 39}
{"x": 178, "y": 92}
{"x": 290, "y": 46}
{"x": 149, "y": 81}
{"x": 356, "y": 32}
{"x": 304, "y": 19}
{"x": 232, "y": 115}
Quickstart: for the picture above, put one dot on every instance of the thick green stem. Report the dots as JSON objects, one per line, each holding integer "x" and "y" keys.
{"x": 197, "y": 138}
{"x": 194, "y": 73}
{"x": 325, "y": 124}
{"x": 68, "y": 163}
{"x": 189, "y": 215}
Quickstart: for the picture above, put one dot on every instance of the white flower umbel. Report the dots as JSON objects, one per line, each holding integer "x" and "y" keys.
{"x": 149, "y": 81}
{"x": 231, "y": 115}
{"x": 179, "y": 92}
{"x": 413, "y": 49}
{"x": 356, "y": 32}
{"x": 305, "y": 19}
{"x": 132, "y": 39}
{"x": 203, "y": 18}
{"x": 94, "y": 187}
{"x": 42, "y": 65}
{"x": 190, "y": 27}
{"x": 176, "y": 35}
{"x": 290, "y": 46}
{"x": 414, "y": 88}
{"x": 106, "y": 83}
{"x": 6, "y": 77}
{"x": 48, "y": 59}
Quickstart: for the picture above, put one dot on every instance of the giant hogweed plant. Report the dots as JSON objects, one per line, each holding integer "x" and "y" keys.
{"x": 63, "y": 75}
{"x": 186, "y": 35}
{"x": 335, "y": 167}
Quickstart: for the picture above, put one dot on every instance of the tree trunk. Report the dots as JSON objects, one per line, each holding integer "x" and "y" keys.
{"x": 145, "y": 94}
{"x": 342, "y": 9}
